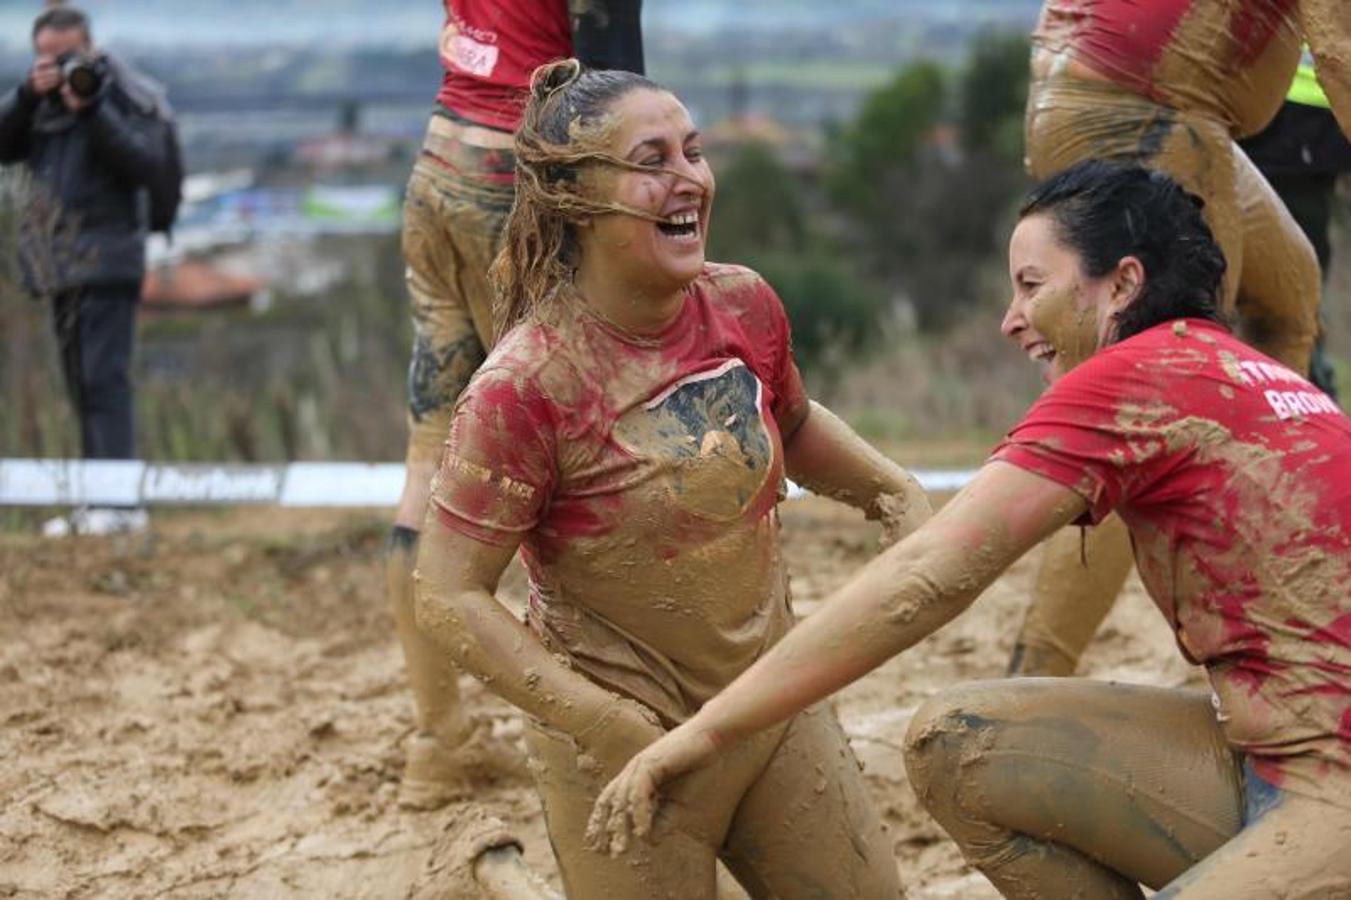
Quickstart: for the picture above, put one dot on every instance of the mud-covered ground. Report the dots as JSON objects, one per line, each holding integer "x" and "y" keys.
{"x": 218, "y": 708}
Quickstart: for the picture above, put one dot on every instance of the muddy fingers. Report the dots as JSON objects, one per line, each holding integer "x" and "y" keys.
{"x": 643, "y": 809}
{"x": 618, "y": 828}
{"x": 606, "y": 831}
{"x": 595, "y": 825}
{"x": 624, "y": 810}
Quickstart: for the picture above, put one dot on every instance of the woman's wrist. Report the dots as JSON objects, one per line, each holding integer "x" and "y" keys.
{"x": 693, "y": 746}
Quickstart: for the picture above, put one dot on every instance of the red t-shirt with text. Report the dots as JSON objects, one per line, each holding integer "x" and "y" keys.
{"x": 489, "y": 48}
{"x": 1234, "y": 476}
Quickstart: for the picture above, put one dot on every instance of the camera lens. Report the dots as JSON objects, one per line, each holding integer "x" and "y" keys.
{"x": 84, "y": 76}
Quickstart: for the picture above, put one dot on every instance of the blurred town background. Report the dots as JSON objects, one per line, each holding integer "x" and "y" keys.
{"x": 868, "y": 155}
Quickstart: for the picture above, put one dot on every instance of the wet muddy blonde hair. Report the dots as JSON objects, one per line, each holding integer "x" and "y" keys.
{"x": 562, "y": 132}
{"x": 1106, "y": 211}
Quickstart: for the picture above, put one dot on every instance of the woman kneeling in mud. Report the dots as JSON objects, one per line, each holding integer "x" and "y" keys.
{"x": 1231, "y": 473}
{"x": 630, "y": 434}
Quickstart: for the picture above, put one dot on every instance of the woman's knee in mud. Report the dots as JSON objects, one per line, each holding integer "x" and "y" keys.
{"x": 947, "y": 732}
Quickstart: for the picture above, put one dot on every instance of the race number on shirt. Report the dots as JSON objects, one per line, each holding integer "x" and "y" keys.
{"x": 468, "y": 55}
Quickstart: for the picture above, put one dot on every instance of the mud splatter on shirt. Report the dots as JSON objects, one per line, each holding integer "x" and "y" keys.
{"x": 1234, "y": 476}
{"x": 641, "y": 475}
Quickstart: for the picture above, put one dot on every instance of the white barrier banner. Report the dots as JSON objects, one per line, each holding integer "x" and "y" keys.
{"x": 67, "y": 482}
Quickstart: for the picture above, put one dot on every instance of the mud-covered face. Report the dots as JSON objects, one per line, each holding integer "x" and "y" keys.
{"x": 651, "y": 128}
{"x": 1059, "y": 315}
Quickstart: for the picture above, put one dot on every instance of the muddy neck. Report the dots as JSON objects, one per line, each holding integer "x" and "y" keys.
{"x": 634, "y": 308}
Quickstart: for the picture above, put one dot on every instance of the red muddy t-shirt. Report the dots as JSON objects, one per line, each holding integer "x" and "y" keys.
{"x": 1234, "y": 476}
{"x": 489, "y": 48}
{"x": 641, "y": 476}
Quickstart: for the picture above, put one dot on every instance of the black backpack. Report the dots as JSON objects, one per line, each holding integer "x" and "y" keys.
{"x": 146, "y": 97}
{"x": 165, "y": 184}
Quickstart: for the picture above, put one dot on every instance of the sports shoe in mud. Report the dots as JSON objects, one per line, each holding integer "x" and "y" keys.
{"x": 98, "y": 520}
{"x": 435, "y": 774}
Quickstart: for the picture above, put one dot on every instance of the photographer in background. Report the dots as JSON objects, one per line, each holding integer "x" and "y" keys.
{"x": 92, "y": 133}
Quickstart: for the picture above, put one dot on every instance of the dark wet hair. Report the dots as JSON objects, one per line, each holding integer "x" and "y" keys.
{"x": 539, "y": 239}
{"x": 1106, "y": 211}
{"x": 61, "y": 18}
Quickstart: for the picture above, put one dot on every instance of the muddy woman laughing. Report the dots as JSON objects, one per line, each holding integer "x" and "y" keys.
{"x": 630, "y": 434}
{"x": 1230, "y": 470}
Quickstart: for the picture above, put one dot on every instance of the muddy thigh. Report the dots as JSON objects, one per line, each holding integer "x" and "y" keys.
{"x": 1291, "y": 847}
{"x": 1279, "y": 285}
{"x": 449, "y": 239}
{"x": 678, "y": 862}
{"x": 807, "y": 827}
{"x": 1081, "y": 574}
{"x": 1074, "y": 788}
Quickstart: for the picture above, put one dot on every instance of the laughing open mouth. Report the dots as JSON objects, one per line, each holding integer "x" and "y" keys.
{"x": 684, "y": 226}
{"x": 1040, "y": 352}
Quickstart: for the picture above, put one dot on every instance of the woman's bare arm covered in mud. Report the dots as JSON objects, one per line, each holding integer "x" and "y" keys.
{"x": 1327, "y": 30}
{"x": 827, "y": 457}
{"x": 899, "y": 598}
{"x": 455, "y": 581}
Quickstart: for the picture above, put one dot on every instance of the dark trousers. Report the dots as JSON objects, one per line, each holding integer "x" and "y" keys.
{"x": 95, "y": 329}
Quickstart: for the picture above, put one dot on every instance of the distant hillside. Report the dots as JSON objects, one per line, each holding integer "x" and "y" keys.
{"x": 410, "y": 22}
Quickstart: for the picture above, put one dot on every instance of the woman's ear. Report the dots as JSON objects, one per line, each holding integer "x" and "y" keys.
{"x": 1127, "y": 283}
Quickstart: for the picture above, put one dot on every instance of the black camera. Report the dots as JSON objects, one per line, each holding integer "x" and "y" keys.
{"x": 84, "y": 72}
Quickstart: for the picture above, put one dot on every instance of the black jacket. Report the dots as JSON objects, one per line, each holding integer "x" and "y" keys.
{"x": 88, "y": 209}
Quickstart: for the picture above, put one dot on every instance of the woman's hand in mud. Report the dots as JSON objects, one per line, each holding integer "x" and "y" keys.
{"x": 621, "y": 730}
{"x": 624, "y": 811}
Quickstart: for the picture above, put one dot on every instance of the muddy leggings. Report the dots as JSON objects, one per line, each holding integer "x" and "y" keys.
{"x": 1060, "y": 788}
{"x": 458, "y": 198}
{"x": 787, "y": 812}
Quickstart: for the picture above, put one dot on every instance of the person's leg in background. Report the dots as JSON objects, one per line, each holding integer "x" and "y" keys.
{"x": 449, "y": 238}
{"x": 1080, "y": 576}
{"x": 66, "y": 326}
{"x": 96, "y": 332}
{"x": 1279, "y": 288}
{"x": 107, "y": 334}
